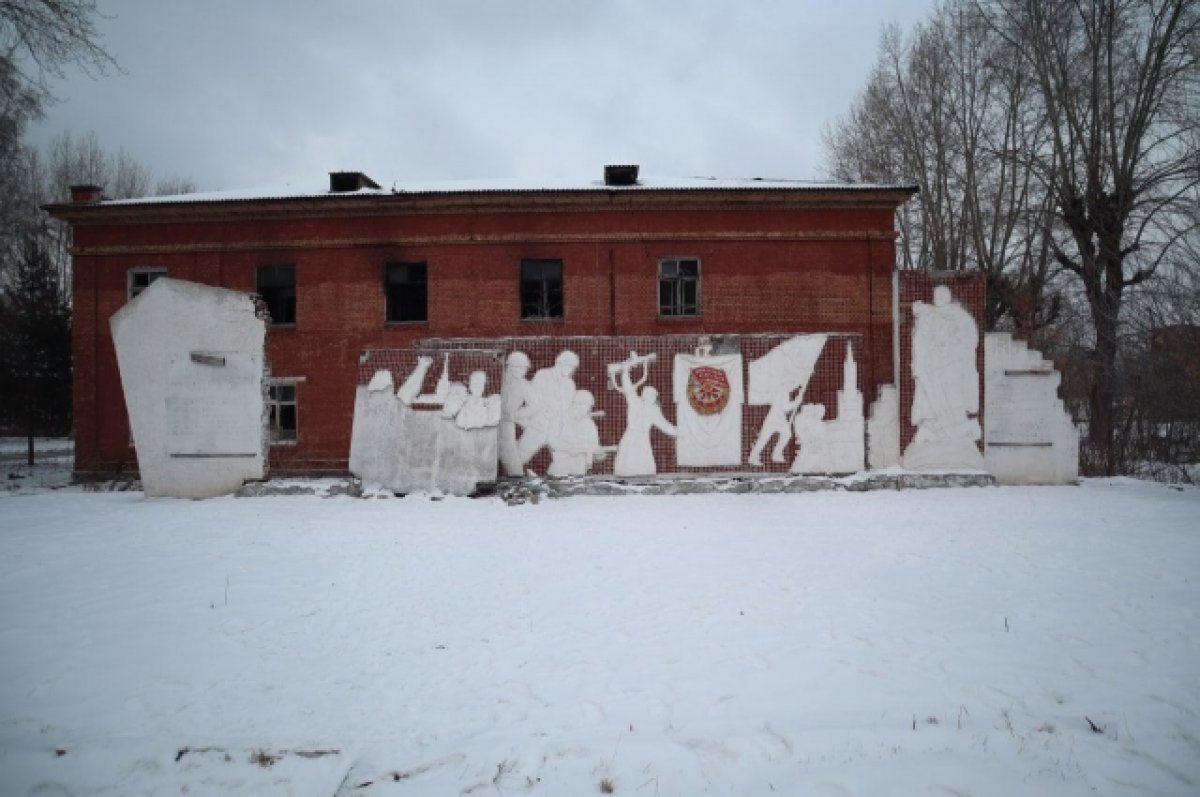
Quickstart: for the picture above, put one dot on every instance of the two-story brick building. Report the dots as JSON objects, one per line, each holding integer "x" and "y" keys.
{"x": 352, "y": 266}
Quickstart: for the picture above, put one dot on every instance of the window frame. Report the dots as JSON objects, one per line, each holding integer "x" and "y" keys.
{"x": 274, "y": 403}
{"x": 678, "y": 307}
{"x": 136, "y": 271}
{"x": 388, "y": 309}
{"x": 546, "y": 300}
{"x": 258, "y": 289}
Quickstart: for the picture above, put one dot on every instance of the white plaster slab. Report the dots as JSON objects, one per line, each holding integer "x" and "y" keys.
{"x": 708, "y": 440}
{"x": 1030, "y": 436}
{"x": 883, "y": 430}
{"x": 199, "y": 427}
{"x": 191, "y": 364}
{"x": 412, "y": 441}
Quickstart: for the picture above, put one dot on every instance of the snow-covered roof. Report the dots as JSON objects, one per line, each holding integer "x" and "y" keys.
{"x": 512, "y": 185}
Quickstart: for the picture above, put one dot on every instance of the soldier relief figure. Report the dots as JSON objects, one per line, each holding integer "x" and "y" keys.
{"x": 551, "y": 413}
{"x": 945, "y": 405}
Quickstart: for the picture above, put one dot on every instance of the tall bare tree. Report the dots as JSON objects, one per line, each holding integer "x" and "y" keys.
{"x": 949, "y": 107}
{"x": 39, "y": 39}
{"x": 1119, "y": 85}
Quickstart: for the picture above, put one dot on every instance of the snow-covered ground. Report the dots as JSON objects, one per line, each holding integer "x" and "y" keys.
{"x": 981, "y": 641}
{"x": 53, "y": 460}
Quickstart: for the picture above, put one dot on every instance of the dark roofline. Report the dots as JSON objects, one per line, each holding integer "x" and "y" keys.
{"x": 769, "y": 193}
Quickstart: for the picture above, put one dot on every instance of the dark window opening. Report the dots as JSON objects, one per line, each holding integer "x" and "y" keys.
{"x": 679, "y": 288}
{"x": 407, "y": 292}
{"x": 281, "y": 401}
{"x": 277, "y": 287}
{"x": 141, "y": 278}
{"x": 541, "y": 289}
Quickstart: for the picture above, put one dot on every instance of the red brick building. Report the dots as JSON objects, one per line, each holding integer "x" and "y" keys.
{"x": 353, "y": 267}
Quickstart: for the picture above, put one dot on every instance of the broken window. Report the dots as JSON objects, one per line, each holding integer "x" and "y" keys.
{"x": 277, "y": 287}
{"x": 541, "y": 289}
{"x": 140, "y": 279}
{"x": 281, "y": 407}
{"x": 679, "y": 287}
{"x": 407, "y": 292}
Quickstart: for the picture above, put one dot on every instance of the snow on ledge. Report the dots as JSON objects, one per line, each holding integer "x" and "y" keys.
{"x": 513, "y": 185}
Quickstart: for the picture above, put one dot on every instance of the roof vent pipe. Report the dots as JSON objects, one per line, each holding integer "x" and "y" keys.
{"x": 620, "y": 175}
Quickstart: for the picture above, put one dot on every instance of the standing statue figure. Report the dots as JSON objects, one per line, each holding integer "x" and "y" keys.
{"x": 635, "y": 456}
{"x": 945, "y": 404}
{"x": 550, "y": 395}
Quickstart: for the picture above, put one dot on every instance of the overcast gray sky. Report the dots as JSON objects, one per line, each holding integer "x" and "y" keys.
{"x": 248, "y": 93}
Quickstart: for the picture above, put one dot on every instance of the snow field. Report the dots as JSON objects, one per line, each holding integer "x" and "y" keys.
{"x": 952, "y": 641}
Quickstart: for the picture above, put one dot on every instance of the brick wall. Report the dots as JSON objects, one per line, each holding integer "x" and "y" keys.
{"x": 763, "y": 271}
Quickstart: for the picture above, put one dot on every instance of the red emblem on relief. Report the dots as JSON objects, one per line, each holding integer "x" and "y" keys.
{"x": 708, "y": 390}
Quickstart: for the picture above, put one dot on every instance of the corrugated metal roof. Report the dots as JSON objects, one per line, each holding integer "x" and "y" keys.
{"x": 515, "y": 186}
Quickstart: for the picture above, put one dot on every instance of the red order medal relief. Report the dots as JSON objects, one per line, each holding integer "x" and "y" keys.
{"x": 708, "y": 390}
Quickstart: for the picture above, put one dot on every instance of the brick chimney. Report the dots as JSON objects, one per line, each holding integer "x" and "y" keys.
{"x": 344, "y": 182}
{"x": 86, "y": 194}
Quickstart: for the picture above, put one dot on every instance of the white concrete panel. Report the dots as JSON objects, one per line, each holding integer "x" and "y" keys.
{"x": 198, "y": 426}
{"x": 191, "y": 364}
{"x": 836, "y": 446}
{"x": 883, "y": 430}
{"x": 1029, "y": 434}
{"x": 409, "y": 441}
{"x": 945, "y": 404}
{"x": 709, "y": 393}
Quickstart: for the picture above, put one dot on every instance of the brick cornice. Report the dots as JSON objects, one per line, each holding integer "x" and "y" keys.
{"x": 373, "y": 205}
{"x": 292, "y": 244}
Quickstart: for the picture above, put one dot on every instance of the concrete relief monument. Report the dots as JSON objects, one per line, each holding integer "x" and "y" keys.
{"x": 779, "y": 379}
{"x": 191, "y": 359}
{"x": 945, "y": 404}
{"x": 643, "y": 414}
{"x": 444, "y": 440}
{"x": 836, "y": 446}
{"x": 708, "y": 392}
{"x": 547, "y": 406}
{"x": 1031, "y": 438}
{"x": 883, "y": 430}
{"x": 578, "y": 448}
{"x": 516, "y": 405}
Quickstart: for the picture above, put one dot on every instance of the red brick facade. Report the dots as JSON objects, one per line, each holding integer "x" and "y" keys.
{"x": 771, "y": 261}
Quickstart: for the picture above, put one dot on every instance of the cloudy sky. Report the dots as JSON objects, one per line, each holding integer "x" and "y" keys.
{"x": 248, "y": 93}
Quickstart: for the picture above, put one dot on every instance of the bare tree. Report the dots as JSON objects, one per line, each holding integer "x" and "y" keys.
{"x": 40, "y": 38}
{"x": 1117, "y": 81}
{"x": 73, "y": 160}
{"x": 950, "y": 107}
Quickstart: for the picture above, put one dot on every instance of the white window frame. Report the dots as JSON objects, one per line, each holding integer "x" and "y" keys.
{"x": 273, "y": 404}
{"x": 157, "y": 271}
